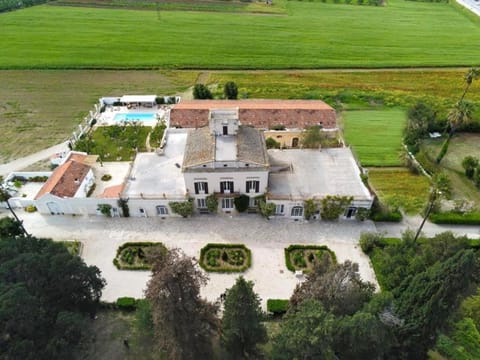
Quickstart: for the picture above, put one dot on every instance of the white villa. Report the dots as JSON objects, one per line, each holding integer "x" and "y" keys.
{"x": 224, "y": 159}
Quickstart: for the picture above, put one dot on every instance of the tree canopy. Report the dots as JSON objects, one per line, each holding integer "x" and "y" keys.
{"x": 200, "y": 91}
{"x": 45, "y": 294}
{"x": 184, "y": 323}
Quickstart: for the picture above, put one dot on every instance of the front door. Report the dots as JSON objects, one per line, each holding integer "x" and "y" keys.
{"x": 350, "y": 212}
{"x": 225, "y": 130}
{"x": 294, "y": 142}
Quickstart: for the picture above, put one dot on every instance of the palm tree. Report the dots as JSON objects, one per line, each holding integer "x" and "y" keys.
{"x": 472, "y": 74}
{"x": 5, "y": 196}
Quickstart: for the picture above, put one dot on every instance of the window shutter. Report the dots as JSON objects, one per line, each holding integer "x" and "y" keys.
{"x": 222, "y": 186}
{"x": 257, "y": 186}
{"x": 196, "y": 188}
{"x": 206, "y": 187}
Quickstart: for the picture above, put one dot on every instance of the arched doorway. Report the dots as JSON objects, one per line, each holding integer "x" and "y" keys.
{"x": 295, "y": 142}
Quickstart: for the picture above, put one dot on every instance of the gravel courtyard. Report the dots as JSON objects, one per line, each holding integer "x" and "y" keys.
{"x": 267, "y": 239}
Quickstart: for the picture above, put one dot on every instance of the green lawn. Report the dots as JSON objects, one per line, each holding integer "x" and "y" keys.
{"x": 376, "y": 136}
{"x": 399, "y": 188}
{"x": 311, "y": 35}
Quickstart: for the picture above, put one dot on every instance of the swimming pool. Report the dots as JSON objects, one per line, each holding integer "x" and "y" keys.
{"x": 135, "y": 117}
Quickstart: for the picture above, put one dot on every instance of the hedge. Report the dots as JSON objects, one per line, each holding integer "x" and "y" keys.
{"x": 277, "y": 306}
{"x": 209, "y": 246}
{"x": 133, "y": 267}
{"x": 471, "y": 218}
{"x": 288, "y": 262}
{"x": 394, "y": 216}
{"x": 126, "y": 303}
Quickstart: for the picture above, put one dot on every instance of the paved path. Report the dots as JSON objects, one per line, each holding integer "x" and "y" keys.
{"x": 266, "y": 239}
{"x": 22, "y": 163}
{"x": 472, "y": 5}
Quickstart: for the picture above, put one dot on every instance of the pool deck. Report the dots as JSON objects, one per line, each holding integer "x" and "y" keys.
{"x": 107, "y": 118}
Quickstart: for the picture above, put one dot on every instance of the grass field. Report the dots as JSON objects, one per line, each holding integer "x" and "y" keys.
{"x": 376, "y": 136}
{"x": 41, "y": 108}
{"x": 460, "y": 146}
{"x": 311, "y": 35}
{"x": 399, "y": 188}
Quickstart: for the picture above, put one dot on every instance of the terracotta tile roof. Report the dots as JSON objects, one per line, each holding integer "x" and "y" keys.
{"x": 200, "y": 147}
{"x": 112, "y": 192}
{"x": 251, "y": 146}
{"x": 254, "y": 104}
{"x": 66, "y": 179}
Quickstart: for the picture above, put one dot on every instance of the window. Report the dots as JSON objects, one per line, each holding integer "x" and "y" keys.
{"x": 227, "y": 203}
{"x": 226, "y": 187}
{"x": 201, "y": 203}
{"x": 279, "y": 209}
{"x": 253, "y": 186}
{"x": 297, "y": 211}
{"x": 162, "y": 210}
{"x": 201, "y": 187}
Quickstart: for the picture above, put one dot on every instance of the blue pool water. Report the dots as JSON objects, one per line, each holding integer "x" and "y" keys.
{"x": 135, "y": 116}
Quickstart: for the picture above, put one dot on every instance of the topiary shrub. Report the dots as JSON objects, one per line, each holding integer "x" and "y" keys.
{"x": 225, "y": 258}
{"x": 106, "y": 177}
{"x": 241, "y": 203}
{"x": 30, "y": 209}
{"x": 271, "y": 143}
{"x": 126, "y": 303}
{"x": 296, "y": 258}
{"x": 266, "y": 209}
{"x": 183, "y": 208}
{"x": 277, "y": 306}
{"x": 212, "y": 203}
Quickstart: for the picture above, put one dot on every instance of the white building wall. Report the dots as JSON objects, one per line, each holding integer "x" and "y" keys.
{"x": 239, "y": 179}
{"x": 86, "y": 184}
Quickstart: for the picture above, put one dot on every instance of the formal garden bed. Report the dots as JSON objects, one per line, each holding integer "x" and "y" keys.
{"x": 74, "y": 247}
{"x": 225, "y": 258}
{"x": 303, "y": 257}
{"x": 134, "y": 255}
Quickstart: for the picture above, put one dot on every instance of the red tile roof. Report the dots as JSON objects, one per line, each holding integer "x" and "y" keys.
{"x": 66, "y": 179}
{"x": 254, "y": 104}
{"x": 112, "y": 192}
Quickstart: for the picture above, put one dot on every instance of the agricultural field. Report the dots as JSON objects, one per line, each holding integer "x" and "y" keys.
{"x": 309, "y": 35}
{"x": 399, "y": 188}
{"x": 376, "y": 136}
{"x": 39, "y": 109}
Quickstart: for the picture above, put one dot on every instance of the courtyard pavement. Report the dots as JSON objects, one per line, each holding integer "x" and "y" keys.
{"x": 266, "y": 239}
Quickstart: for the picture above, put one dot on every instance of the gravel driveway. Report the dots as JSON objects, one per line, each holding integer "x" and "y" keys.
{"x": 267, "y": 239}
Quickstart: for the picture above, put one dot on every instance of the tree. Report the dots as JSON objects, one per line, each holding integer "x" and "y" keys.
{"x": 10, "y": 227}
{"x": 362, "y": 336}
{"x": 271, "y": 143}
{"x": 46, "y": 294}
{"x": 312, "y": 137}
{"x": 472, "y": 74}
{"x": 200, "y": 91}
{"x": 241, "y": 203}
{"x": 469, "y": 163}
{"x": 310, "y": 208}
{"x": 337, "y": 286}
{"x": 230, "y": 90}
{"x": 426, "y": 300}
{"x": 212, "y": 203}
{"x": 305, "y": 333}
{"x": 5, "y": 196}
{"x": 184, "y": 322}
{"x": 420, "y": 118}
{"x": 241, "y": 326}
{"x": 266, "y": 209}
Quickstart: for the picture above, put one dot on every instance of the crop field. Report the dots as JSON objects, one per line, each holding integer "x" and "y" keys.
{"x": 376, "y": 136}
{"x": 309, "y": 35}
{"x": 399, "y": 188}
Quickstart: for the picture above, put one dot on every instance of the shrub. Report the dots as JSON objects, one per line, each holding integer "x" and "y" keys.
{"x": 106, "y": 177}
{"x": 388, "y": 216}
{"x": 469, "y": 163}
{"x": 211, "y": 254}
{"x": 271, "y": 143}
{"x": 369, "y": 240}
{"x": 469, "y": 218}
{"x": 129, "y": 250}
{"x": 30, "y": 209}
{"x": 362, "y": 214}
{"x": 277, "y": 127}
{"x": 334, "y": 206}
{"x": 105, "y": 209}
{"x": 126, "y": 303}
{"x": 266, "y": 209}
{"x": 292, "y": 250}
{"x": 183, "y": 208}
{"x": 310, "y": 207}
{"x": 230, "y": 90}
{"x": 212, "y": 203}
{"x": 241, "y": 203}
{"x": 277, "y": 306}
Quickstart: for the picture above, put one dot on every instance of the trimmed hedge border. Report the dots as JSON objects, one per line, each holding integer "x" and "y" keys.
{"x": 209, "y": 246}
{"x": 277, "y": 306}
{"x": 393, "y": 216}
{"x": 287, "y": 250}
{"x": 471, "y": 218}
{"x": 134, "y": 267}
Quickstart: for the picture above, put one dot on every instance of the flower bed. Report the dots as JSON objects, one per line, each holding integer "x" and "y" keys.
{"x": 73, "y": 247}
{"x": 225, "y": 258}
{"x": 303, "y": 257}
{"x": 134, "y": 255}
